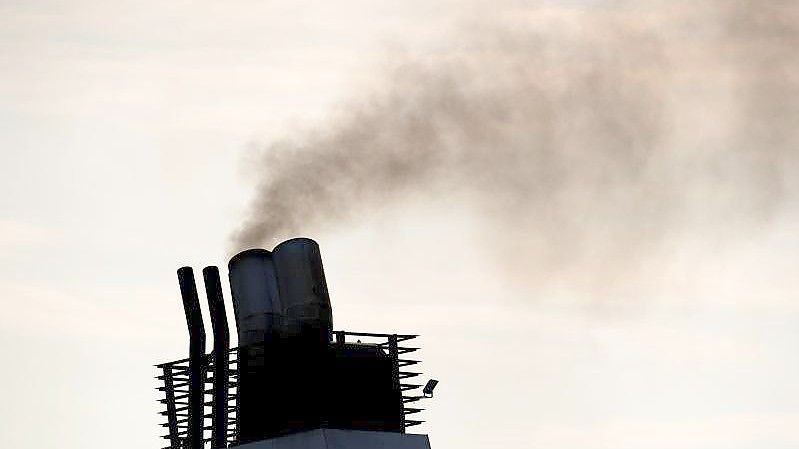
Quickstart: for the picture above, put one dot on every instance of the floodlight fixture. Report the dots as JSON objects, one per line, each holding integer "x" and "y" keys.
{"x": 429, "y": 387}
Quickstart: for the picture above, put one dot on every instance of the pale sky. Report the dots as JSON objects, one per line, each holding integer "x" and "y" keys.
{"x": 127, "y": 134}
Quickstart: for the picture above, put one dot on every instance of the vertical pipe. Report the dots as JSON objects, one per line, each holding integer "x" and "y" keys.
{"x": 302, "y": 289}
{"x": 194, "y": 321}
{"x": 259, "y": 320}
{"x": 256, "y": 304}
{"x": 216, "y": 307}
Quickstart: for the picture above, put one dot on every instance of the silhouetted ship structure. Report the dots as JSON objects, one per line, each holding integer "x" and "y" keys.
{"x": 293, "y": 381}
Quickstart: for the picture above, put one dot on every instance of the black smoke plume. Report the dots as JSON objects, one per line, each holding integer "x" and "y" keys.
{"x": 597, "y": 132}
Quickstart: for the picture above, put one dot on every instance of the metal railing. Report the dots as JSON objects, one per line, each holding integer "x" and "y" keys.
{"x": 219, "y": 410}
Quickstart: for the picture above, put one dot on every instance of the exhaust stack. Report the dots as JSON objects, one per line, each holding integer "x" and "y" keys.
{"x": 196, "y": 368}
{"x": 287, "y": 375}
{"x": 221, "y": 357}
{"x": 282, "y": 293}
{"x": 256, "y": 304}
{"x": 303, "y": 290}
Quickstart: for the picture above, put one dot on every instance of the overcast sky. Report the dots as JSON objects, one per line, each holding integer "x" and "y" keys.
{"x": 129, "y": 134}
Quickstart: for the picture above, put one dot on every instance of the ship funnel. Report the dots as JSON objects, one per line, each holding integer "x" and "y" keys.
{"x": 303, "y": 289}
{"x": 287, "y": 375}
{"x": 282, "y": 293}
{"x": 256, "y": 304}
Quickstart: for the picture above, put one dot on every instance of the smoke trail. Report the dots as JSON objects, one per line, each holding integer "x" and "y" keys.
{"x": 593, "y": 133}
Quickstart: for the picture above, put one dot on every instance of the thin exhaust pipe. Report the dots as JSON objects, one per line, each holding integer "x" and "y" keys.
{"x": 194, "y": 321}
{"x": 216, "y": 308}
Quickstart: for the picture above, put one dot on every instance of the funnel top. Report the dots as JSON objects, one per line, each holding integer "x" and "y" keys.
{"x": 249, "y": 252}
{"x": 295, "y": 240}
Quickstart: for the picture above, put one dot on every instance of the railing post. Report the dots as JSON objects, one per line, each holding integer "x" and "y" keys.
{"x": 171, "y": 412}
{"x": 233, "y": 435}
{"x": 393, "y": 352}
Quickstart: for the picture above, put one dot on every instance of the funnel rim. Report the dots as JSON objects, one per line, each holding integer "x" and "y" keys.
{"x": 248, "y": 252}
{"x": 293, "y": 240}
